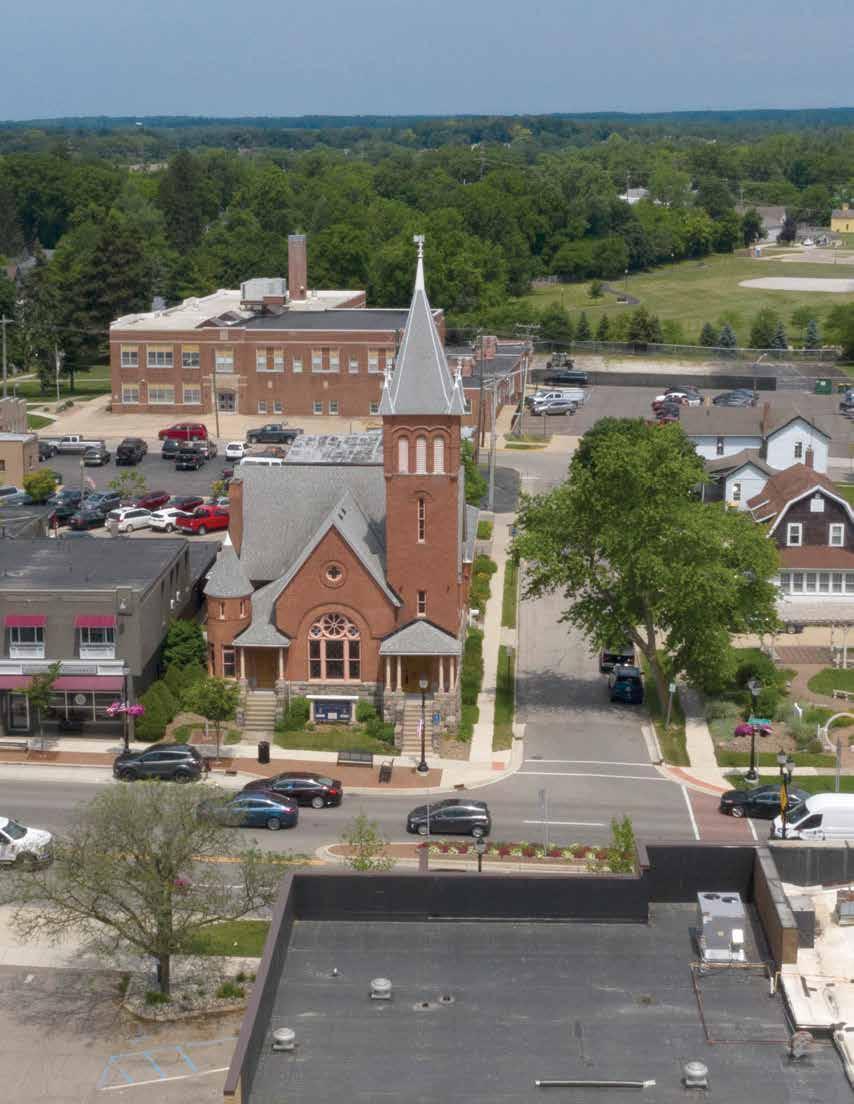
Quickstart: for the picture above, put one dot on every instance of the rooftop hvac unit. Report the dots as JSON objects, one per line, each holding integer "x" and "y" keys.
{"x": 845, "y": 907}
{"x": 721, "y": 924}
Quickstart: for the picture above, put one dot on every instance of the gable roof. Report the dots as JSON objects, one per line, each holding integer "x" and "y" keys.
{"x": 741, "y": 421}
{"x": 728, "y": 465}
{"x": 227, "y": 579}
{"x": 421, "y": 382}
{"x": 779, "y": 419}
{"x": 420, "y": 638}
{"x": 261, "y": 632}
{"x": 786, "y": 487}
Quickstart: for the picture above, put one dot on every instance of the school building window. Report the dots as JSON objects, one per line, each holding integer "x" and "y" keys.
{"x": 130, "y": 356}
{"x": 159, "y": 356}
{"x": 190, "y": 356}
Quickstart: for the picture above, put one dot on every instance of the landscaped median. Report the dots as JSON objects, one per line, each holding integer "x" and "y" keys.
{"x": 577, "y": 858}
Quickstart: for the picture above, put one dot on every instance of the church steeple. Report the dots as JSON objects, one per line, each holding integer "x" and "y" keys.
{"x": 421, "y": 382}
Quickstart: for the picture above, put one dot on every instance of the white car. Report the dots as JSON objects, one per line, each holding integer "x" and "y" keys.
{"x": 23, "y": 847}
{"x": 808, "y": 241}
{"x": 686, "y": 398}
{"x": 164, "y": 520}
{"x": 235, "y": 450}
{"x": 128, "y": 518}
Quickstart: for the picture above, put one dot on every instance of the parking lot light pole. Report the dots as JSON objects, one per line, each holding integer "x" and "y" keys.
{"x": 422, "y": 767}
{"x": 786, "y": 764}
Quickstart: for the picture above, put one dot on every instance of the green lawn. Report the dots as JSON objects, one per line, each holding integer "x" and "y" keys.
{"x": 86, "y": 386}
{"x": 508, "y": 600}
{"x": 241, "y": 938}
{"x": 671, "y": 740}
{"x": 812, "y": 783}
{"x": 337, "y": 739}
{"x": 694, "y": 292}
{"x": 36, "y": 421}
{"x": 847, "y": 491}
{"x": 727, "y": 758}
{"x": 832, "y": 679}
{"x": 505, "y": 694}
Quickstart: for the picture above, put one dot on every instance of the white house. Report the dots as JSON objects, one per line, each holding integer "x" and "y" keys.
{"x": 738, "y": 477}
{"x": 789, "y": 442}
{"x": 779, "y": 437}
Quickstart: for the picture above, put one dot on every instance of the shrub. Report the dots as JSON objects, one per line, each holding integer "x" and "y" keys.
{"x": 469, "y": 716}
{"x": 365, "y": 711}
{"x": 767, "y": 701}
{"x": 185, "y": 644}
{"x": 484, "y": 530}
{"x": 230, "y": 991}
{"x": 233, "y": 736}
{"x": 753, "y": 663}
{"x": 181, "y": 734}
{"x": 174, "y": 679}
{"x": 483, "y": 565}
{"x": 160, "y": 710}
{"x": 296, "y": 717}
{"x": 378, "y": 729}
{"x": 471, "y": 675}
{"x": 154, "y": 996}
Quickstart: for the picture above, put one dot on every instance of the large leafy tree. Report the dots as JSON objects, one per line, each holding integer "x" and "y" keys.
{"x": 127, "y": 876}
{"x": 188, "y": 198}
{"x": 627, "y": 543}
{"x": 840, "y": 327}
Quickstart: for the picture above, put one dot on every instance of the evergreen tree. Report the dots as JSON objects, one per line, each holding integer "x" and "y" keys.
{"x": 727, "y": 338}
{"x": 708, "y": 336}
{"x": 763, "y": 329}
{"x": 582, "y": 330}
{"x": 188, "y": 200}
{"x": 603, "y": 330}
{"x": 556, "y": 324}
{"x": 813, "y": 337}
{"x": 788, "y": 231}
{"x": 779, "y": 340}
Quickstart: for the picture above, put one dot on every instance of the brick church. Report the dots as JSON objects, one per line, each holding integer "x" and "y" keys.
{"x": 345, "y": 575}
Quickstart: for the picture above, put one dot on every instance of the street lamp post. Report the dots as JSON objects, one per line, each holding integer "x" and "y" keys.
{"x": 786, "y": 764}
{"x": 422, "y": 767}
{"x": 754, "y": 686}
{"x": 480, "y": 846}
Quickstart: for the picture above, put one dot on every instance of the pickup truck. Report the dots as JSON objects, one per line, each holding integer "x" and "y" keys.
{"x": 203, "y": 520}
{"x": 73, "y": 442}
{"x": 274, "y": 433}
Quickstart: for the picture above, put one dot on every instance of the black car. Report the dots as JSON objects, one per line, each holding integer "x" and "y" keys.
{"x": 190, "y": 459}
{"x": 46, "y": 450}
{"x": 739, "y": 397}
{"x": 170, "y": 449}
{"x": 566, "y": 377}
{"x": 88, "y": 519}
{"x": 96, "y": 456}
{"x": 274, "y": 433}
{"x": 65, "y": 504}
{"x": 455, "y": 816}
{"x": 103, "y": 500}
{"x": 131, "y": 451}
{"x": 170, "y": 762}
{"x": 762, "y": 802}
{"x": 305, "y": 788}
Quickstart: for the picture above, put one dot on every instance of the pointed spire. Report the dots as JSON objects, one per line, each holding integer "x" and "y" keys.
{"x": 422, "y": 382}
{"x": 227, "y": 579}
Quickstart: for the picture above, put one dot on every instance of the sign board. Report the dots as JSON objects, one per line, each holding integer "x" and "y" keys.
{"x": 759, "y": 722}
{"x": 437, "y": 718}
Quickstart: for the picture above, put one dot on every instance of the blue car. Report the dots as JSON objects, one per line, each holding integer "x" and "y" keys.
{"x": 625, "y": 684}
{"x": 257, "y": 809}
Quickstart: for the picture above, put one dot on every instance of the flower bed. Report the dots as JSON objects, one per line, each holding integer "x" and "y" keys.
{"x": 575, "y": 852}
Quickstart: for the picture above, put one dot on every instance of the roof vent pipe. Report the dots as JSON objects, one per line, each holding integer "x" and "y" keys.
{"x": 380, "y": 989}
{"x": 284, "y": 1038}
{"x": 695, "y": 1075}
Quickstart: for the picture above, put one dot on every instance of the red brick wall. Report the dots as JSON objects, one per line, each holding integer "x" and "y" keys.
{"x": 223, "y": 624}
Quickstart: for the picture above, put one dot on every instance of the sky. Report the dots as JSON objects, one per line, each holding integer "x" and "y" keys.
{"x": 395, "y": 57}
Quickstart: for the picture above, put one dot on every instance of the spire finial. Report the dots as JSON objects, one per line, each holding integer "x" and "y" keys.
{"x": 419, "y": 272}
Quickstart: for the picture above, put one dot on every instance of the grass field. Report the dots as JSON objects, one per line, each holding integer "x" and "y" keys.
{"x": 694, "y": 292}
{"x": 36, "y": 421}
{"x": 86, "y": 386}
{"x": 338, "y": 739}
{"x": 847, "y": 491}
{"x": 505, "y": 691}
{"x": 812, "y": 783}
{"x": 244, "y": 938}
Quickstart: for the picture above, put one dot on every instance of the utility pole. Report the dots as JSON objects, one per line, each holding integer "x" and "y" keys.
{"x": 481, "y": 429}
{"x": 529, "y": 331}
{"x": 492, "y": 446}
{"x": 59, "y": 356}
{"x": 4, "y": 322}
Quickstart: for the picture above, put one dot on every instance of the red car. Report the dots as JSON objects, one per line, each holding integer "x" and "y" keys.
{"x": 153, "y": 500}
{"x": 203, "y": 520}
{"x": 184, "y": 431}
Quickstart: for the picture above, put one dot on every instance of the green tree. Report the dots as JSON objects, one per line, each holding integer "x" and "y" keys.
{"x": 708, "y": 336}
{"x": 727, "y": 338}
{"x": 669, "y": 185}
{"x": 215, "y": 699}
{"x": 39, "y": 692}
{"x": 128, "y": 484}
{"x": 643, "y": 327}
{"x": 812, "y": 340}
{"x": 188, "y": 200}
{"x": 185, "y": 644}
{"x": 556, "y": 324}
{"x": 788, "y": 231}
{"x": 840, "y": 327}
{"x": 475, "y": 481}
{"x": 126, "y": 876}
{"x": 763, "y": 329}
{"x": 40, "y": 484}
{"x": 595, "y": 289}
{"x": 582, "y": 329}
{"x": 714, "y": 197}
{"x": 368, "y": 844}
{"x": 627, "y": 542}
{"x": 673, "y": 332}
{"x": 752, "y": 227}
{"x": 603, "y": 330}
{"x": 780, "y": 341}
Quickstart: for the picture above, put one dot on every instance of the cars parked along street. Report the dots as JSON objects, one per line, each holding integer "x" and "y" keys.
{"x": 169, "y": 762}
{"x": 625, "y": 684}
{"x": 453, "y": 816}
{"x": 762, "y": 802}
{"x": 129, "y": 518}
{"x": 305, "y": 788}
{"x": 166, "y": 519}
{"x": 184, "y": 431}
{"x": 739, "y": 397}
{"x": 204, "y": 519}
{"x": 274, "y": 433}
{"x": 131, "y": 451}
{"x": 96, "y": 456}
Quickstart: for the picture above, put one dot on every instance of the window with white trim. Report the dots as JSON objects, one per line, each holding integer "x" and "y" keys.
{"x": 824, "y": 582}
{"x": 422, "y": 520}
{"x": 161, "y": 394}
{"x": 785, "y": 582}
{"x": 130, "y": 356}
{"x": 420, "y": 455}
{"x": 421, "y": 604}
{"x": 317, "y": 406}
{"x": 403, "y": 455}
{"x": 98, "y": 643}
{"x": 224, "y": 360}
{"x": 334, "y": 365}
{"x": 277, "y": 406}
{"x": 817, "y": 504}
{"x": 836, "y": 536}
{"x": 159, "y": 356}
{"x": 130, "y": 393}
{"x": 261, "y": 360}
{"x": 849, "y": 582}
{"x": 438, "y": 455}
{"x": 229, "y": 663}
{"x": 373, "y": 408}
{"x": 798, "y": 450}
{"x": 26, "y": 642}
{"x": 794, "y": 534}
{"x": 736, "y": 492}
{"x": 334, "y": 649}
{"x": 262, "y": 406}
{"x": 317, "y": 360}
{"x": 191, "y": 356}
{"x": 296, "y": 364}
{"x": 192, "y": 395}
{"x": 373, "y": 361}
{"x": 278, "y": 360}
{"x": 353, "y": 365}
{"x": 333, "y": 406}
{"x": 836, "y": 582}
{"x": 809, "y": 582}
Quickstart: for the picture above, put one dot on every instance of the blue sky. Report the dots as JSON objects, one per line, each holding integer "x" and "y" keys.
{"x": 103, "y": 57}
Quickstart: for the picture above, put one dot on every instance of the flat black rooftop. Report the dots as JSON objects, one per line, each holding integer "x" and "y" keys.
{"x": 530, "y": 1000}
{"x": 85, "y": 562}
{"x": 354, "y": 320}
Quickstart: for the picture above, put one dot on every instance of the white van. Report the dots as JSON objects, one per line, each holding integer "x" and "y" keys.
{"x": 261, "y": 462}
{"x": 824, "y": 816}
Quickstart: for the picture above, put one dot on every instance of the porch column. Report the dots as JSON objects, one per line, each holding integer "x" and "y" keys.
{"x": 281, "y": 664}
{"x": 455, "y": 670}
{"x": 441, "y": 674}
{"x": 388, "y": 672}
{"x": 399, "y": 674}
{"x": 242, "y": 653}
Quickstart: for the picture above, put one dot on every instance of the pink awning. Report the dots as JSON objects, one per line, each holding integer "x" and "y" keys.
{"x": 25, "y": 620}
{"x": 89, "y": 682}
{"x": 95, "y": 621}
{"x": 14, "y": 682}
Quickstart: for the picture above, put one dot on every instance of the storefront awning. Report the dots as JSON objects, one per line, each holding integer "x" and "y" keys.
{"x": 25, "y": 620}
{"x": 14, "y": 682}
{"x": 95, "y": 621}
{"x": 100, "y": 683}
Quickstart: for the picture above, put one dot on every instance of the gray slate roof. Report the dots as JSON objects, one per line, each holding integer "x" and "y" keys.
{"x": 348, "y": 319}
{"x": 261, "y": 632}
{"x": 721, "y": 421}
{"x": 284, "y": 507}
{"x": 337, "y": 448}
{"x": 227, "y": 578}
{"x": 420, "y": 638}
{"x": 727, "y": 464}
{"x": 421, "y": 382}
{"x": 470, "y": 533}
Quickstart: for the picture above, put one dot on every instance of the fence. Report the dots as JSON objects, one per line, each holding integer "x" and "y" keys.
{"x": 826, "y": 356}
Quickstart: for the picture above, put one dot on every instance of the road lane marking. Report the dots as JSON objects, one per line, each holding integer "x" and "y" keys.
{"x": 690, "y": 812}
{"x": 589, "y": 762}
{"x": 569, "y": 823}
{"x": 590, "y": 774}
{"x": 752, "y": 829}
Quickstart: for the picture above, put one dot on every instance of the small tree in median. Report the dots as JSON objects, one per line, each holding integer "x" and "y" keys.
{"x": 368, "y": 845}
{"x": 40, "y": 485}
{"x": 216, "y": 700}
{"x": 39, "y": 691}
{"x": 126, "y": 876}
{"x": 130, "y": 484}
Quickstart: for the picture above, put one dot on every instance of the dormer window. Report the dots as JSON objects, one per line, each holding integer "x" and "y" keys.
{"x": 794, "y": 534}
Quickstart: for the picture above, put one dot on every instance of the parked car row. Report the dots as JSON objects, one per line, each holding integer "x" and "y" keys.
{"x": 156, "y": 510}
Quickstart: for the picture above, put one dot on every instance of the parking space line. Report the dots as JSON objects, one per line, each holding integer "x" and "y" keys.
{"x": 752, "y": 830}
{"x": 690, "y": 812}
{"x": 590, "y": 774}
{"x": 183, "y": 1054}
{"x": 589, "y": 762}
{"x": 148, "y": 1055}
{"x": 163, "y": 1080}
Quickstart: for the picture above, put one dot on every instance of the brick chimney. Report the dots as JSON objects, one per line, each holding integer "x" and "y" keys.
{"x": 809, "y": 457}
{"x": 297, "y": 266}
{"x": 235, "y": 513}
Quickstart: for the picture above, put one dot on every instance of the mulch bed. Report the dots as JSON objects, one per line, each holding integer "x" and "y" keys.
{"x": 465, "y": 852}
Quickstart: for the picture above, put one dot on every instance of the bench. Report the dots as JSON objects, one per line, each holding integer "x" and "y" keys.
{"x": 385, "y": 771}
{"x": 355, "y": 758}
{"x": 14, "y": 745}
{"x": 846, "y": 695}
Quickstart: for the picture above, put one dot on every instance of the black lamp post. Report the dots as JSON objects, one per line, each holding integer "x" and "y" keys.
{"x": 754, "y": 686}
{"x": 422, "y": 767}
{"x": 786, "y": 764}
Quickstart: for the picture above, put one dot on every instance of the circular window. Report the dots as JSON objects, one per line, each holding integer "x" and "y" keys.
{"x": 333, "y": 574}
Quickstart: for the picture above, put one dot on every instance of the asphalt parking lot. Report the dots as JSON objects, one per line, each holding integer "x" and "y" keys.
{"x": 158, "y": 474}
{"x": 634, "y": 402}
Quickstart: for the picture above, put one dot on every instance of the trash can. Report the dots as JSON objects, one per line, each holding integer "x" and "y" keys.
{"x": 263, "y": 751}
{"x": 824, "y": 387}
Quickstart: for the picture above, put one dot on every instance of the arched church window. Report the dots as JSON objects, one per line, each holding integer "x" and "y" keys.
{"x": 438, "y": 455}
{"x": 421, "y": 455}
{"x": 334, "y": 649}
{"x": 403, "y": 454}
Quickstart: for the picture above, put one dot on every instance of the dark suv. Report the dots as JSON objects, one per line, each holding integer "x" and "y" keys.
{"x": 453, "y": 816}
{"x": 625, "y": 684}
{"x": 563, "y": 377}
{"x": 190, "y": 458}
{"x": 170, "y": 762}
{"x": 131, "y": 450}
